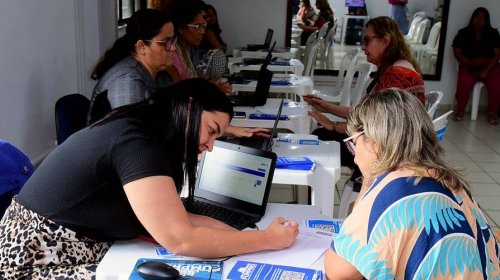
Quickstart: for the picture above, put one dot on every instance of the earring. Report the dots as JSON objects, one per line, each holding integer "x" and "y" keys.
{"x": 375, "y": 166}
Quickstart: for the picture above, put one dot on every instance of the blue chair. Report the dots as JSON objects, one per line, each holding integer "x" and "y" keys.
{"x": 15, "y": 170}
{"x": 71, "y": 115}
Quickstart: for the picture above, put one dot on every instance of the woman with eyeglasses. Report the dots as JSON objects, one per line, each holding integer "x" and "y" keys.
{"x": 119, "y": 179}
{"x": 190, "y": 24}
{"x": 139, "y": 63}
{"x": 384, "y": 46}
{"x": 417, "y": 218}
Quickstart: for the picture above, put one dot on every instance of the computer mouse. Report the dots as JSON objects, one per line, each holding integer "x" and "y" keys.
{"x": 151, "y": 270}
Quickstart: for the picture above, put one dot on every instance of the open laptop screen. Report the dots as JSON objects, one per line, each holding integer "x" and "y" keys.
{"x": 231, "y": 173}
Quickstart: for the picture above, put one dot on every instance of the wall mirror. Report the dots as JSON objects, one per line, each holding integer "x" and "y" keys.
{"x": 429, "y": 56}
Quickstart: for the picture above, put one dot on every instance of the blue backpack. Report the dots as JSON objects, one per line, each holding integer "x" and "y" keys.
{"x": 15, "y": 169}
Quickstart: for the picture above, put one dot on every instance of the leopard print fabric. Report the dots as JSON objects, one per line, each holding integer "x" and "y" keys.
{"x": 33, "y": 247}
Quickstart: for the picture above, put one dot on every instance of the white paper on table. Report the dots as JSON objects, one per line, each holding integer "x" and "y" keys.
{"x": 307, "y": 248}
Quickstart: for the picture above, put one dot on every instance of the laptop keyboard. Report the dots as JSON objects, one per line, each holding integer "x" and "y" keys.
{"x": 235, "y": 219}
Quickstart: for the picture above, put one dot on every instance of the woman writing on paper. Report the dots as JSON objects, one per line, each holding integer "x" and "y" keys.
{"x": 121, "y": 178}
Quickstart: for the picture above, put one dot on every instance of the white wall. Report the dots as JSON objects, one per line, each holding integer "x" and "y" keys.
{"x": 50, "y": 46}
{"x": 48, "y": 50}
{"x": 245, "y": 22}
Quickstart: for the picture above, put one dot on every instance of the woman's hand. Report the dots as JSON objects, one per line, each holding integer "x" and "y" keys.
{"x": 317, "y": 103}
{"x": 223, "y": 85}
{"x": 239, "y": 132}
{"x": 281, "y": 233}
{"x": 322, "y": 120}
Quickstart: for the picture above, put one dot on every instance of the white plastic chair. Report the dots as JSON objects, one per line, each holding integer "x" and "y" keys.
{"x": 432, "y": 100}
{"x": 420, "y": 32}
{"x": 310, "y": 58}
{"x": 413, "y": 27}
{"x": 356, "y": 93}
{"x": 420, "y": 50}
{"x": 348, "y": 198}
{"x": 326, "y": 56}
{"x": 440, "y": 125}
{"x": 347, "y": 63}
{"x": 476, "y": 94}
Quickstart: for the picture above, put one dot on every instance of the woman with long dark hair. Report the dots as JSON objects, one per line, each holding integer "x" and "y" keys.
{"x": 121, "y": 178}
{"x": 138, "y": 63}
{"x": 477, "y": 50}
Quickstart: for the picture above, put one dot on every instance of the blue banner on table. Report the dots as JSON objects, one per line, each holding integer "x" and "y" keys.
{"x": 188, "y": 269}
{"x": 261, "y": 271}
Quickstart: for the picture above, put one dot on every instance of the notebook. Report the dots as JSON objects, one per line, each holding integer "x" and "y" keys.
{"x": 259, "y": 96}
{"x": 258, "y": 142}
{"x": 267, "y": 42}
{"x": 235, "y": 181}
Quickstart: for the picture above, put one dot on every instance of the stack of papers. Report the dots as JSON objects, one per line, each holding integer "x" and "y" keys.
{"x": 295, "y": 163}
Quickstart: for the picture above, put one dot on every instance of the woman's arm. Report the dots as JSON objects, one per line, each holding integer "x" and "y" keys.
{"x": 461, "y": 58}
{"x": 336, "y": 268}
{"x": 158, "y": 207}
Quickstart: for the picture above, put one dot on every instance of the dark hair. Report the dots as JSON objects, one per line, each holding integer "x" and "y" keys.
{"x": 214, "y": 27}
{"x": 185, "y": 11}
{"x": 172, "y": 115}
{"x": 307, "y": 3}
{"x": 324, "y": 8}
{"x": 486, "y": 17}
{"x": 398, "y": 48}
{"x": 142, "y": 25}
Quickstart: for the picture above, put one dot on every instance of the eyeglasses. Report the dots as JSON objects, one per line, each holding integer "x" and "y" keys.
{"x": 167, "y": 44}
{"x": 198, "y": 26}
{"x": 368, "y": 39}
{"x": 349, "y": 142}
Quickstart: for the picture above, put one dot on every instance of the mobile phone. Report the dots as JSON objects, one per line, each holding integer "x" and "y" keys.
{"x": 240, "y": 115}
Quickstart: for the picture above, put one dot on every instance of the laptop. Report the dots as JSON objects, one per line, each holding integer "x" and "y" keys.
{"x": 259, "y": 96}
{"x": 233, "y": 184}
{"x": 265, "y": 46}
{"x": 265, "y": 144}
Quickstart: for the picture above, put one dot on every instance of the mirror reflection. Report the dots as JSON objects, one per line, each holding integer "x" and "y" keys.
{"x": 344, "y": 31}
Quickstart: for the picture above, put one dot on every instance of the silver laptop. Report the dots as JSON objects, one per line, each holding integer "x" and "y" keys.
{"x": 233, "y": 184}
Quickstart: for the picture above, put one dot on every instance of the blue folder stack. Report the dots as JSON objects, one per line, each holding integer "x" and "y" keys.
{"x": 295, "y": 163}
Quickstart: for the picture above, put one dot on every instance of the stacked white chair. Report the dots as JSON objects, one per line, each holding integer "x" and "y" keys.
{"x": 413, "y": 26}
{"x": 418, "y": 36}
{"x": 432, "y": 100}
{"x": 346, "y": 64}
{"x": 424, "y": 53}
{"x": 310, "y": 57}
{"x": 326, "y": 57}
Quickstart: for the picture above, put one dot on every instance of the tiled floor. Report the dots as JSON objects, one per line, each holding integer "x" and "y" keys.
{"x": 475, "y": 147}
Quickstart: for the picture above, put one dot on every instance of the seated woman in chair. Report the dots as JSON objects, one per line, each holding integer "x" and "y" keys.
{"x": 384, "y": 46}
{"x": 417, "y": 218}
{"x": 325, "y": 15}
{"x": 477, "y": 49}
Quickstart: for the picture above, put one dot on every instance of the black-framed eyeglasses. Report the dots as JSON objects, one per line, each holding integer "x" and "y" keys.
{"x": 368, "y": 39}
{"x": 198, "y": 26}
{"x": 349, "y": 142}
{"x": 167, "y": 44}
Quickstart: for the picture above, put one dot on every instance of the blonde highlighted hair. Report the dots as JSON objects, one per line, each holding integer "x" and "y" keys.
{"x": 399, "y": 124}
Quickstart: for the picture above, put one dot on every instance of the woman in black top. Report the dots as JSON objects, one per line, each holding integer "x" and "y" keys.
{"x": 477, "y": 49}
{"x": 120, "y": 178}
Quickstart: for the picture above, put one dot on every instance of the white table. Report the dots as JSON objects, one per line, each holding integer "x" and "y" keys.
{"x": 324, "y": 177}
{"x": 299, "y": 121}
{"x": 119, "y": 261}
{"x": 284, "y": 53}
{"x": 300, "y": 85}
{"x": 295, "y": 66}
